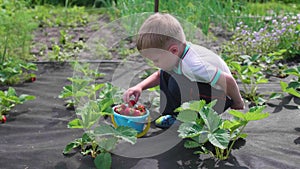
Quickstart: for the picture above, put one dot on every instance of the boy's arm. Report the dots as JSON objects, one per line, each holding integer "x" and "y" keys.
{"x": 231, "y": 89}
{"x": 151, "y": 81}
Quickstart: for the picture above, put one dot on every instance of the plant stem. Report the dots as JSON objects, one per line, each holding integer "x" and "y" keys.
{"x": 244, "y": 85}
{"x": 229, "y": 150}
{"x": 4, "y": 51}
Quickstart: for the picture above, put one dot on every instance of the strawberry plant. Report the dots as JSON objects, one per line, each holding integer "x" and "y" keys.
{"x": 201, "y": 124}
{"x": 9, "y": 98}
{"x": 14, "y": 72}
{"x": 99, "y": 141}
{"x": 250, "y": 76}
{"x": 92, "y": 102}
{"x": 81, "y": 84}
{"x": 293, "y": 86}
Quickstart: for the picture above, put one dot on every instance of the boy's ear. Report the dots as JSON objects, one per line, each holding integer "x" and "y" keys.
{"x": 174, "y": 49}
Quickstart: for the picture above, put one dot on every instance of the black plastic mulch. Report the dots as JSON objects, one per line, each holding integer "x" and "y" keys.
{"x": 36, "y": 133}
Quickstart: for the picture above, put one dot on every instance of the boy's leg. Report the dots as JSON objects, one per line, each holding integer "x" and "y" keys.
{"x": 169, "y": 94}
{"x": 169, "y": 100}
{"x": 177, "y": 89}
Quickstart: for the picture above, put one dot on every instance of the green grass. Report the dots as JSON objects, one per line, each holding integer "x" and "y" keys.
{"x": 224, "y": 13}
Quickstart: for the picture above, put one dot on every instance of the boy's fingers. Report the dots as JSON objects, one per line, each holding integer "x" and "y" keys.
{"x": 126, "y": 97}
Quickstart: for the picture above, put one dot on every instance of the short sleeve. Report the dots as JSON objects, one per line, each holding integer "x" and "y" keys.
{"x": 201, "y": 72}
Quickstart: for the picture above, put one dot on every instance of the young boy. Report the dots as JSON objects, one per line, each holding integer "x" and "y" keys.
{"x": 187, "y": 71}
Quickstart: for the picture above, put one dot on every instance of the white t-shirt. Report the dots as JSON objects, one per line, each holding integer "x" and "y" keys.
{"x": 200, "y": 64}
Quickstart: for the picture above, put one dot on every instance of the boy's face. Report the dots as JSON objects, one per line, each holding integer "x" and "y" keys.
{"x": 161, "y": 58}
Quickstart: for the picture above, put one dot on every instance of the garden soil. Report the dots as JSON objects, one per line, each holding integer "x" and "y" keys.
{"x": 36, "y": 133}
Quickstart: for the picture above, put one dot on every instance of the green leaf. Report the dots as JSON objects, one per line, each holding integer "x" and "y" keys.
{"x": 189, "y": 130}
{"x": 257, "y": 109}
{"x": 71, "y": 146}
{"x": 11, "y": 92}
{"x": 191, "y": 144}
{"x": 249, "y": 116}
{"x": 294, "y": 84}
{"x": 293, "y": 92}
{"x": 219, "y": 138}
{"x": 237, "y": 114}
{"x": 90, "y": 114}
{"x": 255, "y": 113}
{"x": 187, "y": 116}
{"x": 211, "y": 119}
{"x": 236, "y": 66}
{"x": 67, "y": 92}
{"x": 125, "y": 133}
{"x": 103, "y": 161}
{"x": 283, "y": 86}
{"x": 243, "y": 135}
{"x": 108, "y": 144}
{"x": 191, "y": 105}
{"x": 276, "y": 96}
{"x": 76, "y": 123}
{"x": 87, "y": 137}
{"x": 293, "y": 71}
{"x": 231, "y": 125}
{"x": 25, "y": 97}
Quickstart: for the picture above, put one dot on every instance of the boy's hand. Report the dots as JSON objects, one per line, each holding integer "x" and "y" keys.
{"x": 133, "y": 91}
{"x": 238, "y": 105}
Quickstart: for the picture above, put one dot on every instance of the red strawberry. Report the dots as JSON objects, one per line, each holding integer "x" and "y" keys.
{"x": 33, "y": 79}
{"x": 131, "y": 103}
{"x": 117, "y": 109}
{"x": 141, "y": 108}
{"x": 127, "y": 111}
{"x": 137, "y": 113}
{"x": 132, "y": 111}
{"x": 123, "y": 106}
{"x": 3, "y": 119}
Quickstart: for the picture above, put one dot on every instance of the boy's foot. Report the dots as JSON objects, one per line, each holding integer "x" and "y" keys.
{"x": 165, "y": 121}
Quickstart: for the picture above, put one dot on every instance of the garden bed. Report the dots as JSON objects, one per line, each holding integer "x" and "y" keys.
{"x": 36, "y": 133}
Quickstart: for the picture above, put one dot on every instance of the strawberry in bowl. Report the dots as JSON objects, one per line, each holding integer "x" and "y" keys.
{"x": 131, "y": 115}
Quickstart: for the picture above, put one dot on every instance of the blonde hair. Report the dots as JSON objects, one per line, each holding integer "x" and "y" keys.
{"x": 158, "y": 31}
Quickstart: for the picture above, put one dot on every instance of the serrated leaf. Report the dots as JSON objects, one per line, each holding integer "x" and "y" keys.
{"x": 219, "y": 138}
{"x": 76, "y": 123}
{"x": 211, "y": 119}
{"x": 231, "y": 125}
{"x": 237, "y": 114}
{"x": 67, "y": 92}
{"x": 255, "y": 116}
{"x": 108, "y": 144}
{"x": 189, "y": 130}
{"x": 187, "y": 116}
{"x": 191, "y": 144}
{"x": 125, "y": 133}
{"x": 293, "y": 92}
{"x": 70, "y": 147}
{"x": 103, "y": 161}
{"x": 212, "y": 104}
{"x": 191, "y": 105}
{"x": 236, "y": 66}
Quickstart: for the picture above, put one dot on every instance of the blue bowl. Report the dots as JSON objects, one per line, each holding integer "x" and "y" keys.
{"x": 136, "y": 122}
